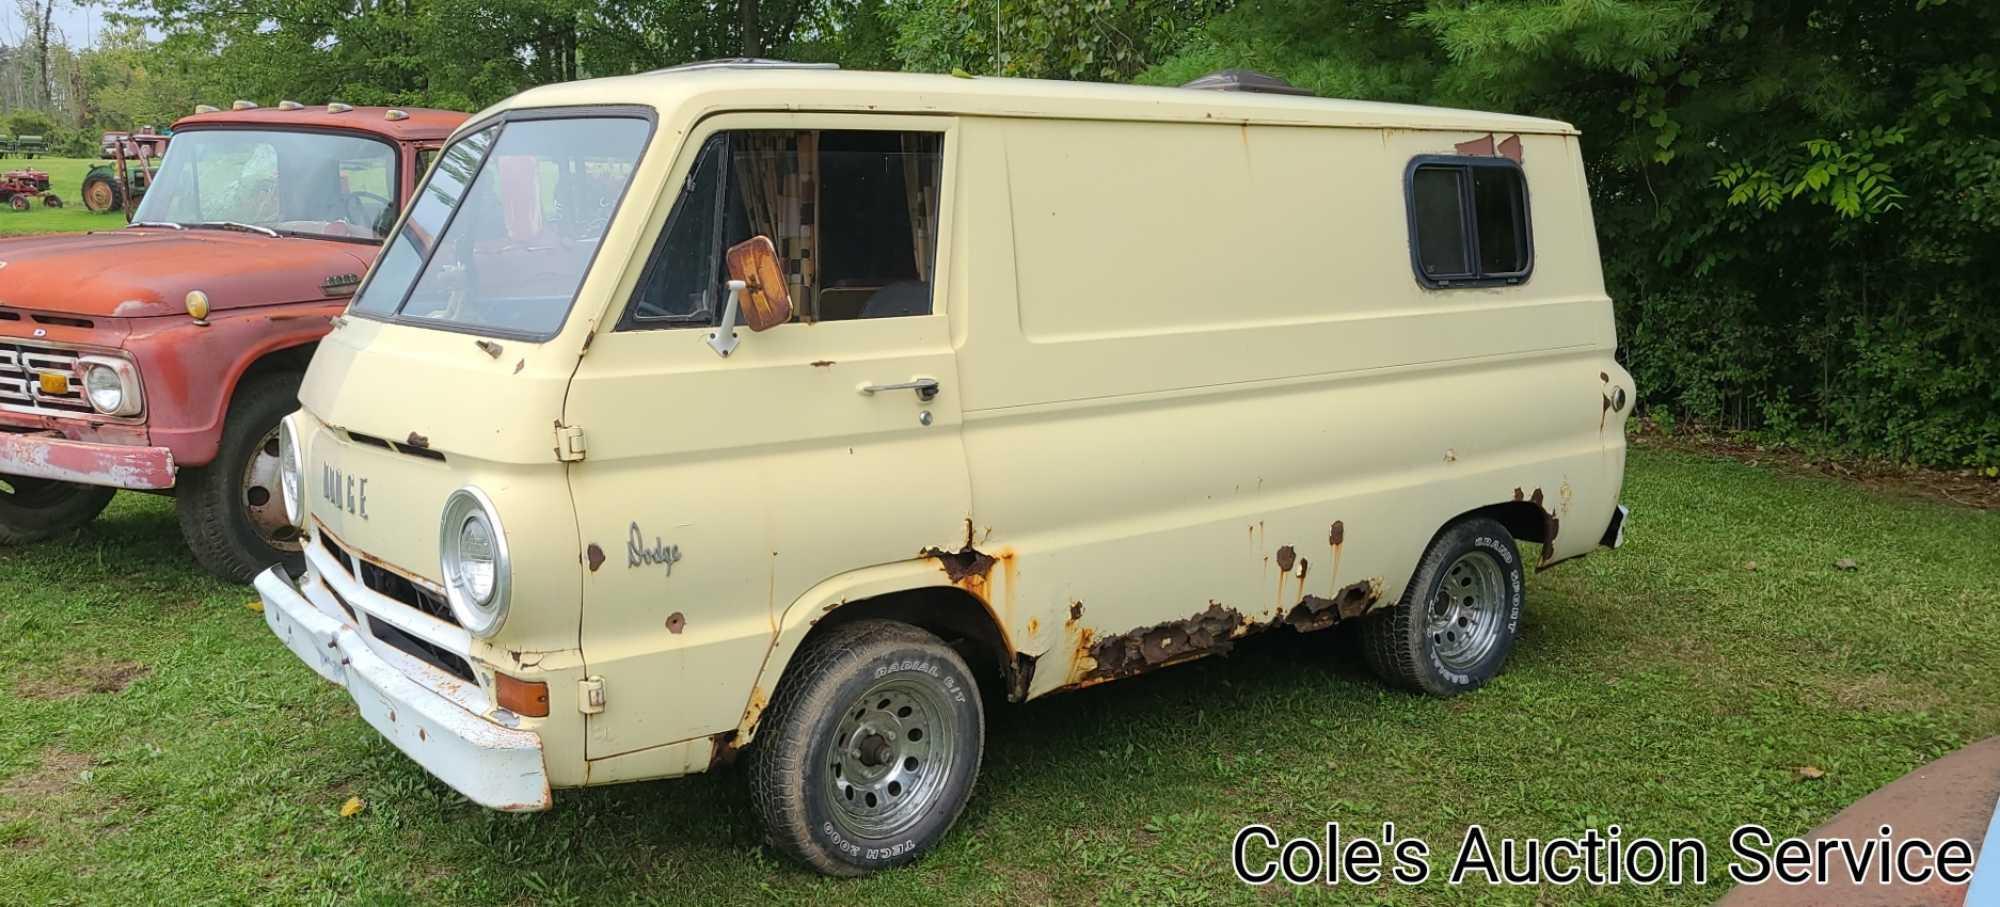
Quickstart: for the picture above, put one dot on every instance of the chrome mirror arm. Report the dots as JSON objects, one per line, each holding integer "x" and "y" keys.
{"x": 723, "y": 339}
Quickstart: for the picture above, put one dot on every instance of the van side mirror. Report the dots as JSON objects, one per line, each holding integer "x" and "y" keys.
{"x": 757, "y": 292}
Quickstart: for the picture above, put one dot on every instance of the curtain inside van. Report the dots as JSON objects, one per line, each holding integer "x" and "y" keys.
{"x": 920, "y": 188}
{"x": 779, "y": 175}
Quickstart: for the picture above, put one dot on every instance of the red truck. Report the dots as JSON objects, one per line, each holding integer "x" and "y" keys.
{"x": 160, "y": 357}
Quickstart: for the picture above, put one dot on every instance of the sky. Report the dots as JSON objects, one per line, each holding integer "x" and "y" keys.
{"x": 78, "y": 24}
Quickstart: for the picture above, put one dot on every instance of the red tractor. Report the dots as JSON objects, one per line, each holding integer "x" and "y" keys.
{"x": 18, "y": 189}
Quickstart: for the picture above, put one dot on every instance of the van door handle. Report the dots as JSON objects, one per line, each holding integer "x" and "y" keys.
{"x": 926, "y": 388}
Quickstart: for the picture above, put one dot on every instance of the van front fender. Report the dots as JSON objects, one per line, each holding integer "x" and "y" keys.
{"x": 821, "y": 601}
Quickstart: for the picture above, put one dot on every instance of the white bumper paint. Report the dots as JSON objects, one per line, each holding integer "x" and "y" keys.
{"x": 493, "y": 766}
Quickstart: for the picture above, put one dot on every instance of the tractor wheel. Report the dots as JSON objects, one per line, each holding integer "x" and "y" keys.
{"x": 100, "y": 194}
{"x": 50, "y": 201}
{"x": 19, "y": 202}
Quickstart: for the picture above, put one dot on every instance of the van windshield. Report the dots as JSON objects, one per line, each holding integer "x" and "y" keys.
{"x": 501, "y": 234}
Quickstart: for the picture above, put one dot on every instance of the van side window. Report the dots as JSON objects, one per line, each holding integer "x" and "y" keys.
{"x": 1469, "y": 222}
{"x": 853, "y": 214}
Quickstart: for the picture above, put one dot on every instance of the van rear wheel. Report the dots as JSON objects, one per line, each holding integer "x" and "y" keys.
{"x": 1458, "y": 619}
{"x": 869, "y": 750}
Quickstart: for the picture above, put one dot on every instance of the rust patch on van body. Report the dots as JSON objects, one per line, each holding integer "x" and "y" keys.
{"x": 595, "y": 555}
{"x": 1551, "y": 521}
{"x": 1316, "y": 613}
{"x": 722, "y": 750}
{"x": 1146, "y": 648}
{"x": 1211, "y": 631}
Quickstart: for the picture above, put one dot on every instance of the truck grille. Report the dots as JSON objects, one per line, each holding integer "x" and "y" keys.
{"x": 21, "y": 368}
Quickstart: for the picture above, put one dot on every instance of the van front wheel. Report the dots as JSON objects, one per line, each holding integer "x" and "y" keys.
{"x": 1458, "y": 619}
{"x": 869, "y": 750}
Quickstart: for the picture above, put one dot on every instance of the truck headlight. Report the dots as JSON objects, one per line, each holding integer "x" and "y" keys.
{"x": 289, "y": 471}
{"x": 111, "y": 385}
{"x": 473, "y": 550}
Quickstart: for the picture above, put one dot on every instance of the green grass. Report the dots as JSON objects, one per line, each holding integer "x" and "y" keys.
{"x": 1664, "y": 687}
{"x": 66, "y": 182}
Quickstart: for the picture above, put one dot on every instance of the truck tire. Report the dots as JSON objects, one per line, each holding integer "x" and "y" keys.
{"x": 231, "y": 510}
{"x": 35, "y": 509}
{"x": 869, "y": 750}
{"x": 1458, "y": 619}
{"x": 100, "y": 193}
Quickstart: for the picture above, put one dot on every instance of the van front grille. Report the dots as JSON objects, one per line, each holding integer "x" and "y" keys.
{"x": 388, "y": 583}
{"x": 392, "y": 585}
{"x": 21, "y": 368}
{"x": 436, "y": 656}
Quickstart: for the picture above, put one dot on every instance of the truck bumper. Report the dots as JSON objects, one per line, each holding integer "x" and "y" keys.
{"x": 42, "y": 456}
{"x": 494, "y": 766}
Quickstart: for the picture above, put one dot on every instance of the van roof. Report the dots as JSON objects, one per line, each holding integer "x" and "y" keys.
{"x": 755, "y": 86}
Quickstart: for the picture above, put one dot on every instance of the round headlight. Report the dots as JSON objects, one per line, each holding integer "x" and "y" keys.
{"x": 289, "y": 470}
{"x": 106, "y": 389}
{"x": 473, "y": 551}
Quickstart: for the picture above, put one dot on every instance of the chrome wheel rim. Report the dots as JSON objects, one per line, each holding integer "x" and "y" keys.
{"x": 264, "y": 500}
{"x": 1466, "y": 611}
{"x": 891, "y": 756}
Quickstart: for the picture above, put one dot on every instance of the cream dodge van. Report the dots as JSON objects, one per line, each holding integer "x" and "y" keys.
{"x": 799, "y": 416}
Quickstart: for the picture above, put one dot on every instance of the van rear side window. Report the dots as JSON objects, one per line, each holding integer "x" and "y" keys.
{"x": 1469, "y": 222}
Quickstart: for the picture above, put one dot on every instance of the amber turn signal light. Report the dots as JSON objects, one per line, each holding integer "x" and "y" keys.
{"x": 522, "y": 697}
{"x": 53, "y": 382}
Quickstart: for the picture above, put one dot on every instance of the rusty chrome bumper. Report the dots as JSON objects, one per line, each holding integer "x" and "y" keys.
{"x": 47, "y": 456}
{"x": 494, "y": 766}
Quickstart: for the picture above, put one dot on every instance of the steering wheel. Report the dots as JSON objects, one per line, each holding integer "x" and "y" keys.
{"x": 357, "y": 202}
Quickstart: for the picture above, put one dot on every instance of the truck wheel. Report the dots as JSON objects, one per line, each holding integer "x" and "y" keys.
{"x": 35, "y": 509}
{"x": 100, "y": 194}
{"x": 232, "y": 511}
{"x": 1459, "y": 617}
{"x": 868, "y": 751}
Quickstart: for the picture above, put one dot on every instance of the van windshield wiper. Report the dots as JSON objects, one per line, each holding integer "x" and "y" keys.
{"x": 156, "y": 223}
{"x": 236, "y": 225}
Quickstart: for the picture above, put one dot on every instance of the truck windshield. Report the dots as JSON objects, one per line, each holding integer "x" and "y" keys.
{"x": 501, "y": 234}
{"x": 304, "y": 183}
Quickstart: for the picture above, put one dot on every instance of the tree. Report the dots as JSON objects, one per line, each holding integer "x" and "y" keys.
{"x": 1794, "y": 197}
{"x": 1097, "y": 40}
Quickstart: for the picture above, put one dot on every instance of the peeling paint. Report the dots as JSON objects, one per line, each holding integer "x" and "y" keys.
{"x": 676, "y": 622}
{"x": 89, "y": 463}
{"x": 595, "y": 556}
{"x": 418, "y": 441}
{"x": 752, "y": 712}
